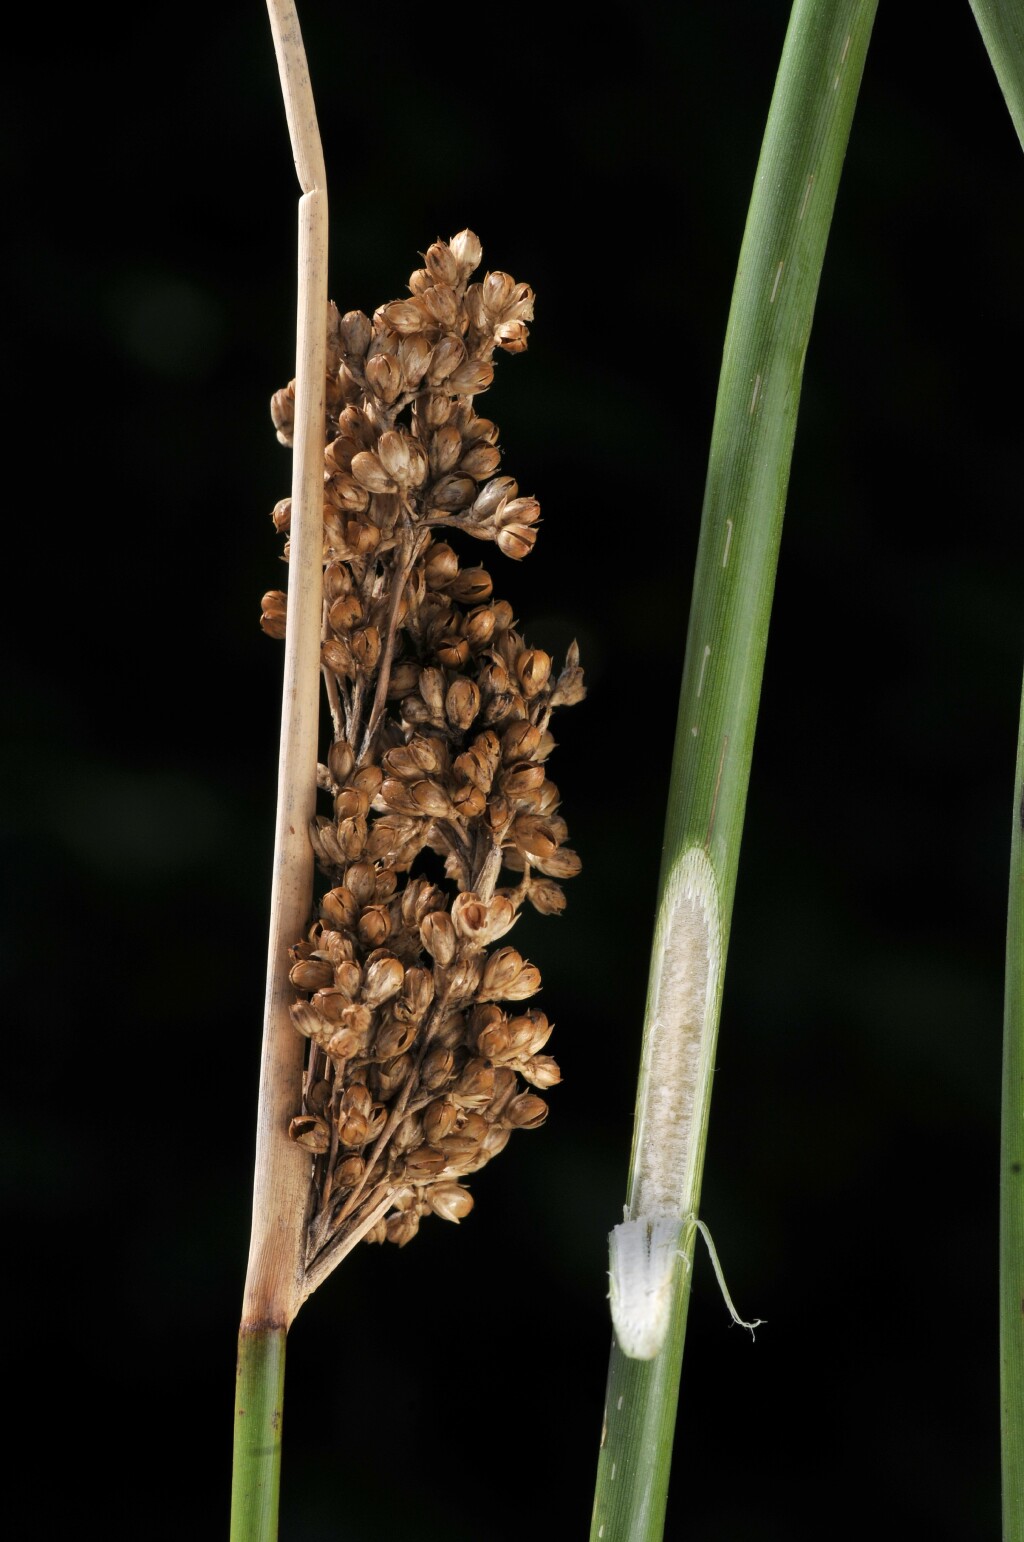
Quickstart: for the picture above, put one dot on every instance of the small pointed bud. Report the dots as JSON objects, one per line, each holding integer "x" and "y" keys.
{"x": 441, "y": 263}
{"x": 438, "y": 1065}
{"x": 365, "y": 645}
{"x": 496, "y": 291}
{"x": 432, "y": 689}
{"x": 349, "y": 1172}
{"x": 306, "y": 1020}
{"x": 437, "y": 409}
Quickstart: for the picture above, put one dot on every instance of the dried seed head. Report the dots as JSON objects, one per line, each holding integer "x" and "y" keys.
{"x": 440, "y": 712}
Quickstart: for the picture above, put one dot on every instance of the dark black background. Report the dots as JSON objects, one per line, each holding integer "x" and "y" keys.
{"x": 455, "y": 1389}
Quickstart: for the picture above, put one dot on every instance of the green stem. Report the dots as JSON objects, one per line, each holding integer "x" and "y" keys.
{"x": 751, "y": 450}
{"x": 1001, "y": 23}
{"x": 1011, "y": 1181}
{"x": 259, "y": 1401}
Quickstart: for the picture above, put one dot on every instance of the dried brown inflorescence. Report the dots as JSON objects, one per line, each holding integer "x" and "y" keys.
{"x": 410, "y": 997}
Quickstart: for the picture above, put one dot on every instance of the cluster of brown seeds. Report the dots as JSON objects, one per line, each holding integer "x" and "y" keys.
{"x": 419, "y": 1045}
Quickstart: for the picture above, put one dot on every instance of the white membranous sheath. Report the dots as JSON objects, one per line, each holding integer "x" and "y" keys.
{"x": 675, "y": 1081}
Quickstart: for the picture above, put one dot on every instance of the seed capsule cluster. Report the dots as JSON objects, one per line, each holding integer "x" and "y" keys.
{"x": 444, "y": 821}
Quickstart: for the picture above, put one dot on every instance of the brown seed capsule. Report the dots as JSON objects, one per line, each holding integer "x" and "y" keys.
{"x": 405, "y": 316}
{"x": 529, "y": 1032}
{"x": 516, "y": 541}
{"x": 274, "y": 605}
{"x": 526, "y": 1112}
{"x": 513, "y": 336}
{"x": 365, "y": 645}
{"x": 468, "y": 801}
{"x": 311, "y": 974}
{"x": 336, "y": 655}
{"x": 461, "y": 980}
{"x": 350, "y": 803}
{"x": 424, "y": 1162}
{"x": 546, "y": 896}
{"x": 441, "y": 263}
{"x": 562, "y": 863}
{"x": 282, "y": 412}
{"x": 482, "y": 921}
{"x": 448, "y": 356}
{"x": 438, "y": 936}
{"x": 432, "y": 690}
{"x": 383, "y": 980}
{"x": 353, "y": 1129}
{"x": 348, "y": 1172}
{"x": 450, "y": 1201}
{"x": 408, "y": 1136}
{"x": 438, "y": 1065}
{"x": 541, "y": 1071}
{"x": 311, "y": 1132}
{"x": 462, "y": 702}
{"x": 533, "y": 667}
{"x": 281, "y": 514}
{"x": 394, "y": 1038}
{"x": 472, "y": 376}
{"x": 521, "y": 780}
{"x": 508, "y": 977}
{"x": 345, "y": 613}
{"x": 354, "y": 333}
{"x": 414, "y": 356}
{"x": 439, "y": 1120}
{"x": 306, "y": 1020}
{"x": 467, "y": 251}
{"x": 452, "y": 492}
{"x": 369, "y": 472}
{"x": 374, "y": 929}
{"x": 475, "y": 1086}
{"x": 481, "y": 461}
{"x": 472, "y": 586}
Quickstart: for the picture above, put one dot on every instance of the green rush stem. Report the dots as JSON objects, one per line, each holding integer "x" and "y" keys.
{"x": 751, "y": 450}
{"x": 259, "y": 1401}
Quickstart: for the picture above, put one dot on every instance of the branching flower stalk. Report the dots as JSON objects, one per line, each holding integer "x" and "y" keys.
{"x": 421, "y": 1058}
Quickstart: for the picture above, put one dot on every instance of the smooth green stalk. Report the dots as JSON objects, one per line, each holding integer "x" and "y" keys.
{"x": 1001, "y": 23}
{"x": 751, "y": 449}
{"x": 1011, "y": 1181}
{"x": 259, "y": 1400}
